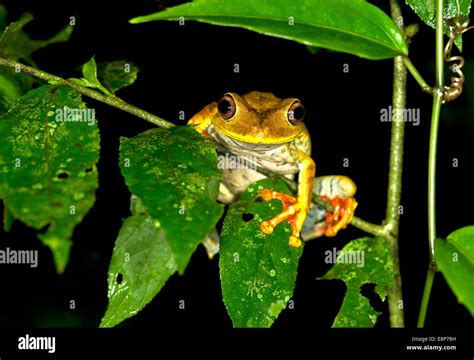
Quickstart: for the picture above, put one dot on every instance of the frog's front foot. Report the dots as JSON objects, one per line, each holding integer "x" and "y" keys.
{"x": 293, "y": 212}
{"x": 341, "y": 216}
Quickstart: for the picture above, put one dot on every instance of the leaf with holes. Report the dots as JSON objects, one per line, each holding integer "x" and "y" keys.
{"x": 354, "y": 27}
{"x": 48, "y": 177}
{"x": 258, "y": 271}
{"x": 116, "y": 75}
{"x": 455, "y": 260}
{"x": 426, "y": 10}
{"x": 174, "y": 172}
{"x": 362, "y": 261}
{"x": 141, "y": 264}
{"x": 16, "y": 44}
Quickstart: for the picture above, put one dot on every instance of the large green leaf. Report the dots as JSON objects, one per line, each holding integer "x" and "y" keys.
{"x": 426, "y": 10}
{"x": 362, "y": 261}
{"x": 117, "y": 74}
{"x": 258, "y": 271}
{"x": 174, "y": 172}
{"x": 351, "y": 26}
{"x": 49, "y": 148}
{"x": 141, "y": 264}
{"x": 16, "y": 44}
{"x": 455, "y": 259}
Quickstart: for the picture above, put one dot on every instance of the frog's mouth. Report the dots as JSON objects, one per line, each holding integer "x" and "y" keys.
{"x": 257, "y": 140}
{"x": 234, "y": 143}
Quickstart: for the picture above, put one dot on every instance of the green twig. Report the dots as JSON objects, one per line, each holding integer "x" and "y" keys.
{"x": 376, "y": 230}
{"x": 392, "y": 217}
{"x": 414, "y": 72}
{"x": 435, "y": 114}
{"x": 109, "y": 100}
{"x": 426, "y": 297}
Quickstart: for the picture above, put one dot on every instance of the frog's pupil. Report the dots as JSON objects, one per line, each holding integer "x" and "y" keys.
{"x": 298, "y": 113}
{"x": 226, "y": 107}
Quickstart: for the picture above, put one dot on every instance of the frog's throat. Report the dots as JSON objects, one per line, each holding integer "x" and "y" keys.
{"x": 267, "y": 141}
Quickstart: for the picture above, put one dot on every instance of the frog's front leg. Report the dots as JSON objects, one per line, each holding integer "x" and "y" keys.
{"x": 294, "y": 209}
{"x": 337, "y": 191}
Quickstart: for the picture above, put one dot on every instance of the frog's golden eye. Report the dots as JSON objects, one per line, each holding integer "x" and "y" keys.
{"x": 295, "y": 113}
{"x": 226, "y": 107}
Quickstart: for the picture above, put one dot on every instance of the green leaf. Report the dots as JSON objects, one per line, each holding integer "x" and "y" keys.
{"x": 351, "y": 26}
{"x": 141, "y": 264}
{"x": 455, "y": 259}
{"x": 426, "y": 10}
{"x": 14, "y": 85}
{"x": 50, "y": 145}
{"x": 258, "y": 271}
{"x": 118, "y": 74}
{"x": 16, "y": 44}
{"x": 174, "y": 172}
{"x": 363, "y": 261}
{"x": 89, "y": 71}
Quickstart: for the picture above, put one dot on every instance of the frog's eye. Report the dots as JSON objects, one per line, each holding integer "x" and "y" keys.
{"x": 295, "y": 113}
{"x": 226, "y": 107}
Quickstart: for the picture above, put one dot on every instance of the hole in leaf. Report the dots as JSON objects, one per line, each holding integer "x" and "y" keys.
{"x": 44, "y": 229}
{"x": 89, "y": 169}
{"x": 247, "y": 217}
{"x": 368, "y": 290}
{"x": 63, "y": 175}
{"x": 119, "y": 278}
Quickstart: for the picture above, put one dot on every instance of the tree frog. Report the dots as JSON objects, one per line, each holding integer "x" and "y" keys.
{"x": 269, "y": 132}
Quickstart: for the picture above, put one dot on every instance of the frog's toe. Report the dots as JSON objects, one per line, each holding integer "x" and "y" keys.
{"x": 292, "y": 212}
{"x": 343, "y": 211}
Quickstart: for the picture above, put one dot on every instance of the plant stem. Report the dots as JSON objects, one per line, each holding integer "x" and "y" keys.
{"x": 437, "y": 101}
{"x": 370, "y": 228}
{"x": 435, "y": 115}
{"x": 109, "y": 100}
{"x": 426, "y": 297}
{"x": 392, "y": 217}
{"x": 439, "y": 44}
{"x": 414, "y": 72}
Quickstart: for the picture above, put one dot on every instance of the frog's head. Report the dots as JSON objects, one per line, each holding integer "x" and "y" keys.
{"x": 259, "y": 118}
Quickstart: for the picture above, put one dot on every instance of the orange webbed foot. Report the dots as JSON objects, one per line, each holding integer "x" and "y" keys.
{"x": 293, "y": 212}
{"x": 341, "y": 216}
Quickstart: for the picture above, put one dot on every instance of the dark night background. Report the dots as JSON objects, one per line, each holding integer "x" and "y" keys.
{"x": 187, "y": 67}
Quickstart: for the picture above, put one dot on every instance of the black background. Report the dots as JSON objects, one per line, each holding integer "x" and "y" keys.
{"x": 183, "y": 68}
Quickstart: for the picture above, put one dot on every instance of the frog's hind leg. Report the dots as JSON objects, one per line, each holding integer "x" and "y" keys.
{"x": 333, "y": 186}
{"x": 314, "y": 225}
{"x": 338, "y": 191}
